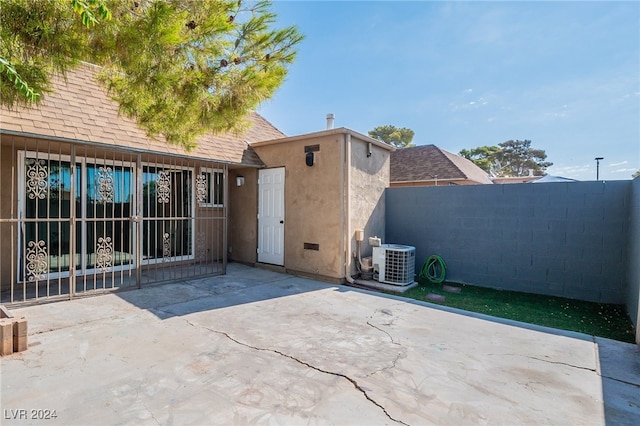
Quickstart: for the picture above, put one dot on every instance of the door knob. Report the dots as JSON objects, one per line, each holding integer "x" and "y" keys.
{"x": 282, "y": 221}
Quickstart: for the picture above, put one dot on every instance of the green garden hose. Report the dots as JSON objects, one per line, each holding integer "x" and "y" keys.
{"x": 434, "y": 269}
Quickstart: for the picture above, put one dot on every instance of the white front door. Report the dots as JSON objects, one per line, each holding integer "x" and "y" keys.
{"x": 271, "y": 216}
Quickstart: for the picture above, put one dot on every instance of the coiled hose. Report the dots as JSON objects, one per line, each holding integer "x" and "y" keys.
{"x": 434, "y": 269}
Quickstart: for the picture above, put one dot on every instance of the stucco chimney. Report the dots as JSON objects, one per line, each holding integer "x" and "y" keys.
{"x": 330, "y": 118}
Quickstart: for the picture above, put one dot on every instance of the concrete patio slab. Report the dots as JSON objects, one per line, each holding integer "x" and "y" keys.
{"x": 261, "y": 347}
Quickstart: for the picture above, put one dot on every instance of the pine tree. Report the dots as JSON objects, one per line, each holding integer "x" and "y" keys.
{"x": 397, "y": 137}
{"x": 180, "y": 68}
{"x": 510, "y": 158}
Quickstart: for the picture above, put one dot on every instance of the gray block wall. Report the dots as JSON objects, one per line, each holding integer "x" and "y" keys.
{"x": 633, "y": 275}
{"x": 561, "y": 239}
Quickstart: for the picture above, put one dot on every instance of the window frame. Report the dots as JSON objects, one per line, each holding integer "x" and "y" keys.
{"x": 212, "y": 186}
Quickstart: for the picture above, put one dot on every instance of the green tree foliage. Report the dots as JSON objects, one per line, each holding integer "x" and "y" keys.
{"x": 636, "y": 174}
{"x": 400, "y": 138}
{"x": 181, "y": 68}
{"x": 88, "y": 9}
{"x": 40, "y": 38}
{"x": 20, "y": 91}
{"x": 510, "y": 158}
{"x": 482, "y": 156}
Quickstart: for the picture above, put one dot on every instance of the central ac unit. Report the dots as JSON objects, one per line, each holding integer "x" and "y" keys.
{"x": 394, "y": 264}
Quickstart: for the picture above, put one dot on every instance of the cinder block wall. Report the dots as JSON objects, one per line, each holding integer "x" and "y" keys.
{"x": 562, "y": 239}
{"x": 633, "y": 275}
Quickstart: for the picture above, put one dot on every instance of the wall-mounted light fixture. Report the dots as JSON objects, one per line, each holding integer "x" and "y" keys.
{"x": 239, "y": 180}
{"x": 309, "y": 154}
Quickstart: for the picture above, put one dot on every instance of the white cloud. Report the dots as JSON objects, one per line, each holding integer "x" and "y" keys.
{"x": 579, "y": 172}
{"x": 560, "y": 112}
{"x": 623, "y": 170}
{"x": 560, "y": 170}
{"x": 468, "y": 104}
{"x": 618, "y": 164}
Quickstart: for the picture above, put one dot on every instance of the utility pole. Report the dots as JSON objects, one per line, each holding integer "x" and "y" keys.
{"x": 598, "y": 167}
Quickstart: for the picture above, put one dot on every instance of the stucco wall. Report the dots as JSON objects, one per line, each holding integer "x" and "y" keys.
{"x": 633, "y": 274}
{"x": 369, "y": 179}
{"x": 312, "y": 203}
{"x": 243, "y": 210}
{"x": 564, "y": 239}
{"x": 209, "y": 232}
{"x": 316, "y": 199}
{"x": 8, "y": 232}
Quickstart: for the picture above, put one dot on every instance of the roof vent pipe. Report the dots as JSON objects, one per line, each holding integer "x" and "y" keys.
{"x": 330, "y": 118}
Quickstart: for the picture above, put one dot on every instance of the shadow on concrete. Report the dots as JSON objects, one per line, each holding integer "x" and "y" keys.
{"x": 620, "y": 372}
{"x": 241, "y": 285}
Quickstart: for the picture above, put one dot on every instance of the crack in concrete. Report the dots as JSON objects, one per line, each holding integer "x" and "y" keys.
{"x": 154, "y": 417}
{"x": 595, "y": 370}
{"x": 621, "y": 381}
{"x": 393, "y": 365}
{"x": 560, "y": 363}
{"x": 380, "y": 329}
{"x": 306, "y": 364}
{"x": 151, "y": 414}
{"x": 141, "y": 401}
{"x": 588, "y": 369}
{"x": 547, "y": 361}
{"x": 385, "y": 332}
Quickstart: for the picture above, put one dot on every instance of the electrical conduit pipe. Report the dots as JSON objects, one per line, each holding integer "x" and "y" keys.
{"x": 346, "y": 212}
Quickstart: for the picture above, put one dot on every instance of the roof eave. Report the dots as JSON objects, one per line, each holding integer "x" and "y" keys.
{"x": 328, "y": 132}
{"x": 130, "y": 149}
{"x": 428, "y": 180}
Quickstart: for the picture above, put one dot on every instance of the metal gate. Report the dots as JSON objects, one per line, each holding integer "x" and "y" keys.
{"x": 83, "y": 219}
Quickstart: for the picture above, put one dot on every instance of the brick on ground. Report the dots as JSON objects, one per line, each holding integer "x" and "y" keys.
{"x": 20, "y": 334}
{"x": 435, "y": 297}
{"x": 6, "y": 336}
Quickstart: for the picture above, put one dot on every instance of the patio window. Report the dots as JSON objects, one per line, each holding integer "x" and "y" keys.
{"x": 210, "y": 188}
{"x": 167, "y": 225}
{"x": 78, "y": 219}
{"x": 102, "y": 199}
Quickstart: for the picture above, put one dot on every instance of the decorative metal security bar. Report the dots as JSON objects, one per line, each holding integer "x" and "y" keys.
{"x": 182, "y": 232}
{"x": 82, "y": 219}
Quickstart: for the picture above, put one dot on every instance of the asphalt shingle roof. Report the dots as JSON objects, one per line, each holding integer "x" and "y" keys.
{"x": 424, "y": 162}
{"x": 79, "y": 108}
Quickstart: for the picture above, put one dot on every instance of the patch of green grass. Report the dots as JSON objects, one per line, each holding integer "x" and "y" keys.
{"x": 598, "y": 319}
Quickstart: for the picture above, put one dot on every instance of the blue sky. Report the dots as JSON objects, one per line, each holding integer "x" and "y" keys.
{"x": 565, "y": 75}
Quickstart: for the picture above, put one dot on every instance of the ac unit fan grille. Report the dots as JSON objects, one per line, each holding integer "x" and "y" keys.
{"x": 399, "y": 266}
